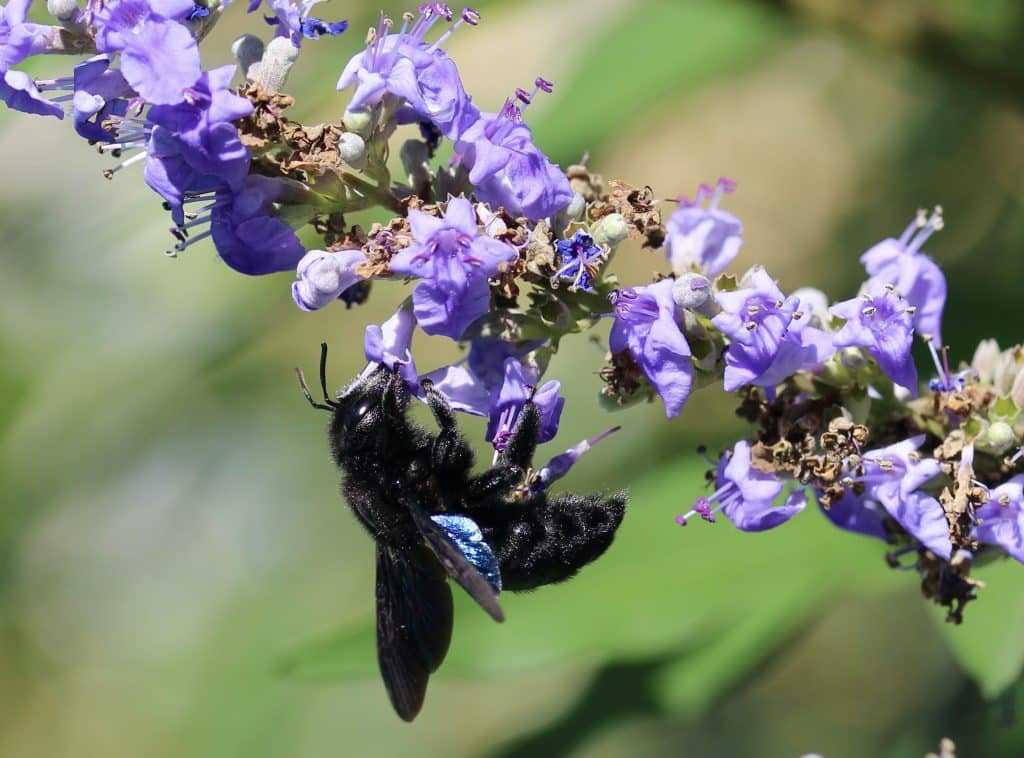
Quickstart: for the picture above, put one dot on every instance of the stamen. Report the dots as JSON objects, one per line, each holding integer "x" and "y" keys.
{"x": 918, "y": 223}
{"x": 108, "y": 173}
{"x": 932, "y": 225}
{"x": 724, "y": 186}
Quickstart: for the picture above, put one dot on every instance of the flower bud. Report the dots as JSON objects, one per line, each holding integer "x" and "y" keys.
{"x": 359, "y": 122}
{"x": 62, "y": 10}
{"x": 352, "y": 149}
{"x": 247, "y": 49}
{"x": 323, "y": 276}
{"x": 271, "y": 72}
{"x": 692, "y": 292}
{"x": 998, "y": 438}
{"x": 610, "y": 230}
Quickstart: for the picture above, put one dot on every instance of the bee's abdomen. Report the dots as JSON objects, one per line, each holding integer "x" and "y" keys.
{"x": 549, "y": 543}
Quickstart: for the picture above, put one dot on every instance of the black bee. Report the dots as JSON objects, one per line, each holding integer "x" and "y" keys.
{"x": 432, "y": 518}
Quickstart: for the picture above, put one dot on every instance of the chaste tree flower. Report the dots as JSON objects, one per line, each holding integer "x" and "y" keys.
{"x": 645, "y": 325}
{"x": 700, "y": 238}
{"x": 453, "y": 261}
{"x": 771, "y": 336}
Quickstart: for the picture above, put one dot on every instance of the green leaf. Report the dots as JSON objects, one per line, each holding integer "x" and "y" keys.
{"x": 990, "y": 643}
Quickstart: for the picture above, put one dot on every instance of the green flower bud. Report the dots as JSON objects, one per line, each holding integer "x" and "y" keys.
{"x": 247, "y": 49}
{"x": 352, "y": 150}
{"x": 610, "y": 230}
{"x": 998, "y": 438}
{"x": 360, "y": 122}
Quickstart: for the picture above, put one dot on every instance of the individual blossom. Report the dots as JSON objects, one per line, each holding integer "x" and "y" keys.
{"x": 701, "y": 237}
{"x": 901, "y": 263}
{"x": 771, "y": 336}
{"x": 406, "y": 66}
{"x": 746, "y": 495}
{"x": 323, "y": 275}
{"x": 194, "y": 145}
{"x": 645, "y": 325}
{"x": 100, "y": 93}
{"x": 883, "y": 484}
{"x": 579, "y": 261}
{"x": 881, "y": 322}
{"x": 159, "y": 55}
{"x": 454, "y": 263}
{"x": 1000, "y": 521}
{"x": 248, "y": 234}
{"x": 508, "y": 399}
{"x": 507, "y": 169}
{"x": 293, "y": 20}
{"x": 20, "y": 39}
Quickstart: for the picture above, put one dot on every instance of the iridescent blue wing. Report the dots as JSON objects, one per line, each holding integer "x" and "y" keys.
{"x": 414, "y": 623}
{"x": 466, "y": 534}
{"x": 459, "y": 567}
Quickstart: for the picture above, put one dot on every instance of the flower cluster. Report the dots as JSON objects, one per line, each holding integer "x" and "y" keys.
{"x": 506, "y": 253}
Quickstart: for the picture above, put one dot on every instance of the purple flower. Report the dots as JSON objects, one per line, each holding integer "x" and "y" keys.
{"x": 901, "y": 263}
{"x": 508, "y": 169}
{"x": 19, "y": 92}
{"x": 890, "y": 478}
{"x": 100, "y": 93}
{"x": 559, "y": 466}
{"x": 390, "y": 344}
{"x": 454, "y": 261}
{"x": 249, "y": 236}
{"x": 324, "y": 275}
{"x": 578, "y": 260}
{"x": 507, "y": 401}
{"x": 20, "y": 39}
{"x": 746, "y": 495}
{"x": 193, "y": 145}
{"x": 407, "y": 66}
{"x": 771, "y": 334}
{"x": 706, "y": 239}
{"x": 292, "y": 20}
{"x": 880, "y": 322}
{"x": 1000, "y": 521}
{"x": 159, "y": 56}
{"x": 645, "y": 324}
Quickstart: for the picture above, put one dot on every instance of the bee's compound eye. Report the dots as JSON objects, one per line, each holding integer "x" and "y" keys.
{"x": 356, "y": 413}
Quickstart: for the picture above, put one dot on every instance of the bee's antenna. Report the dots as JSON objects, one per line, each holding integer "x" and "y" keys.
{"x": 323, "y": 374}
{"x": 309, "y": 397}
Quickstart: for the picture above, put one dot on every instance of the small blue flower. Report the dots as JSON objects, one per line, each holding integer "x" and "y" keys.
{"x": 579, "y": 261}
{"x": 881, "y": 322}
{"x": 1000, "y": 521}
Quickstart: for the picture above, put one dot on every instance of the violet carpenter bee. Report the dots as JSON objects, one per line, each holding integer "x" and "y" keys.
{"x": 432, "y": 518}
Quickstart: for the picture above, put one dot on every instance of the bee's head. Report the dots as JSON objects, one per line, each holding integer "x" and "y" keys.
{"x": 361, "y": 420}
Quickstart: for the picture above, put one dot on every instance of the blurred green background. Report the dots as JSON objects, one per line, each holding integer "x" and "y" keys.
{"x": 179, "y": 577}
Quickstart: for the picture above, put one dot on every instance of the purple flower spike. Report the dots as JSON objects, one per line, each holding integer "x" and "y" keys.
{"x": 746, "y": 496}
{"x": 771, "y": 334}
{"x": 645, "y": 324}
{"x": 323, "y": 276}
{"x": 881, "y": 322}
{"x": 1000, "y": 521}
{"x": 454, "y": 262}
{"x": 901, "y": 263}
{"x": 703, "y": 238}
{"x": 507, "y": 403}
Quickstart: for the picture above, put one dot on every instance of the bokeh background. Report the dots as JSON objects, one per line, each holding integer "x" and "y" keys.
{"x": 179, "y": 577}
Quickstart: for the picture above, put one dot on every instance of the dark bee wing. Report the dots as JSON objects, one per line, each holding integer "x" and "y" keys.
{"x": 414, "y": 623}
{"x": 459, "y": 567}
